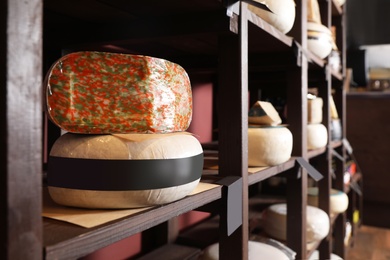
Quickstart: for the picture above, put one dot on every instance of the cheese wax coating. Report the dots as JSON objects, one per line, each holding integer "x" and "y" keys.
{"x": 100, "y": 92}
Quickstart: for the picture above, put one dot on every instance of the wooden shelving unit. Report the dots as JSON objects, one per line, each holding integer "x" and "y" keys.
{"x": 223, "y": 41}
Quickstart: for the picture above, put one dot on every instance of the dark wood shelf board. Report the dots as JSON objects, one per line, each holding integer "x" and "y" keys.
{"x": 268, "y": 172}
{"x": 282, "y": 38}
{"x": 336, "y": 143}
{"x": 62, "y": 240}
{"x": 316, "y": 152}
{"x": 173, "y": 252}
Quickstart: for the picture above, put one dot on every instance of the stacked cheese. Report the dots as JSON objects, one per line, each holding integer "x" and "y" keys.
{"x": 320, "y": 40}
{"x": 126, "y": 117}
{"x": 317, "y": 134}
{"x": 269, "y": 143}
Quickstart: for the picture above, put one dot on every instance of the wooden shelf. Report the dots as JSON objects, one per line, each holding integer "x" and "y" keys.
{"x": 267, "y": 172}
{"x": 202, "y": 38}
{"x": 62, "y": 240}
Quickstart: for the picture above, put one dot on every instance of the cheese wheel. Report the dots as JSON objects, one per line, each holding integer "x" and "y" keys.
{"x": 319, "y": 40}
{"x": 316, "y": 256}
{"x": 314, "y": 111}
{"x": 335, "y": 129}
{"x": 282, "y": 15}
{"x": 338, "y": 200}
{"x": 264, "y": 113}
{"x": 275, "y": 222}
{"x": 124, "y": 170}
{"x": 317, "y": 136}
{"x": 269, "y": 146}
{"x": 100, "y": 92}
{"x": 256, "y": 250}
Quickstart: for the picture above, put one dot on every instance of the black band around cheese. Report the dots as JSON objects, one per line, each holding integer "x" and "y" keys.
{"x": 122, "y": 175}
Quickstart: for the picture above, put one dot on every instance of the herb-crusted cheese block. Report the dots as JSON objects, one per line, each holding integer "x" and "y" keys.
{"x": 123, "y": 170}
{"x": 99, "y": 92}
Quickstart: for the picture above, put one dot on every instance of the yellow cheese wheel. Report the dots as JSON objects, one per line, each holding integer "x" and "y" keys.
{"x": 268, "y": 146}
{"x": 123, "y": 171}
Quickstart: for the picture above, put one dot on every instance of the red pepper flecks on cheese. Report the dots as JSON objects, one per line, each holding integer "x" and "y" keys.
{"x": 99, "y": 92}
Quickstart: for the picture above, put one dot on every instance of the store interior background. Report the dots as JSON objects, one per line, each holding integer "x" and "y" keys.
{"x": 368, "y": 123}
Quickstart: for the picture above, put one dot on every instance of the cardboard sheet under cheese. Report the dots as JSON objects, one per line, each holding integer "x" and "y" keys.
{"x": 100, "y": 92}
{"x": 123, "y": 171}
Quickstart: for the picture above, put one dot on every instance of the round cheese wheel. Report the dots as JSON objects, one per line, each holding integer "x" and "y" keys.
{"x": 268, "y": 146}
{"x": 316, "y": 255}
{"x": 338, "y": 200}
{"x": 319, "y": 40}
{"x": 100, "y": 92}
{"x": 282, "y": 16}
{"x": 124, "y": 170}
{"x": 275, "y": 222}
{"x": 335, "y": 129}
{"x": 256, "y": 250}
{"x": 317, "y": 136}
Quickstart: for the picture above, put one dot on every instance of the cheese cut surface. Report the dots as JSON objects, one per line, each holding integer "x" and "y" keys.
{"x": 99, "y": 92}
{"x": 314, "y": 110}
{"x": 123, "y": 171}
{"x": 256, "y": 250}
{"x": 264, "y": 113}
{"x": 269, "y": 146}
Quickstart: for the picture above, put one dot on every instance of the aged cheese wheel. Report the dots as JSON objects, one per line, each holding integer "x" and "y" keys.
{"x": 282, "y": 16}
{"x": 268, "y": 146}
{"x": 336, "y": 129}
{"x": 319, "y": 39}
{"x": 314, "y": 110}
{"x": 338, "y": 200}
{"x": 123, "y": 170}
{"x": 256, "y": 250}
{"x": 317, "y": 136}
{"x": 316, "y": 255}
{"x": 275, "y": 222}
{"x": 99, "y": 92}
{"x": 263, "y": 113}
